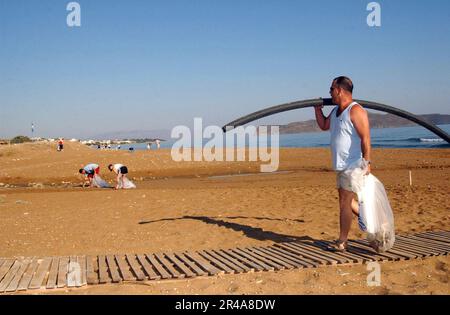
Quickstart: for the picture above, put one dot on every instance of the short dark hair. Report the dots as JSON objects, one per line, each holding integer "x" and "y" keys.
{"x": 81, "y": 170}
{"x": 344, "y": 83}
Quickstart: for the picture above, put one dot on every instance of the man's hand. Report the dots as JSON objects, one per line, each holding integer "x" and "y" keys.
{"x": 322, "y": 121}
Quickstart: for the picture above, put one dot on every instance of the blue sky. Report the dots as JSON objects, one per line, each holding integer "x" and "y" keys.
{"x": 156, "y": 64}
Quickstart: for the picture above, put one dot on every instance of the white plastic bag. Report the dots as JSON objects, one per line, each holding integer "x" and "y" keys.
{"x": 375, "y": 212}
{"x": 97, "y": 181}
{"x": 127, "y": 184}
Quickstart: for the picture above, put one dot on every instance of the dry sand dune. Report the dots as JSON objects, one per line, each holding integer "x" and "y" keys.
{"x": 188, "y": 205}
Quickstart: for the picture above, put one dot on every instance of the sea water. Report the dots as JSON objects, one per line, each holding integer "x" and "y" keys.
{"x": 402, "y": 137}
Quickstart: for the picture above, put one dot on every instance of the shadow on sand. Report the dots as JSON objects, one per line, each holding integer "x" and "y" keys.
{"x": 249, "y": 231}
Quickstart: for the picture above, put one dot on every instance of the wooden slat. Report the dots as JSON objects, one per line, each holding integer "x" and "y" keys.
{"x": 328, "y": 255}
{"x": 191, "y": 264}
{"x": 398, "y": 251}
{"x": 188, "y": 272}
{"x": 202, "y": 262}
{"x": 103, "y": 270}
{"x": 124, "y": 268}
{"x": 239, "y": 259}
{"x": 311, "y": 254}
{"x": 29, "y": 272}
{"x": 113, "y": 269}
{"x": 393, "y": 250}
{"x": 286, "y": 256}
{"x": 148, "y": 268}
{"x": 414, "y": 249}
{"x": 63, "y": 269}
{"x": 15, "y": 281}
{"x": 273, "y": 258}
{"x": 264, "y": 258}
{"x": 429, "y": 241}
{"x": 161, "y": 270}
{"x": 440, "y": 237}
{"x": 434, "y": 238}
{"x": 135, "y": 267}
{"x": 91, "y": 275}
{"x": 366, "y": 252}
{"x": 316, "y": 249}
{"x": 392, "y": 256}
{"x": 425, "y": 243}
{"x": 82, "y": 262}
{"x": 307, "y": 263}
{"x": 73, "y": 272}
{"x": 258, "y": 259}
{"x": 169, "y": 266}
{"x": 41, "y": 272}
{"x": 219, "y": 264}
{"x": 53, "y": 274}
{"x": 7, "y": 264}
{"x": 281, "y": 256}
{"x": 416, "y": 253}
{"x": 442, "y": 234}
{"x": 353, "y": 257}
{"x": 303, "y": 253}
{"x": 12, "y": 273}
{"x": 438, "y": 249}
{"x": 230, "y": 261}
{"x": 418, "y": 247}
{"x": 253, "y": 266}
{"x": 369, "y": 250}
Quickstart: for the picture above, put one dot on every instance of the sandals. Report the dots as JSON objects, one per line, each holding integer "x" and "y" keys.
{"x": 338, "y": 246}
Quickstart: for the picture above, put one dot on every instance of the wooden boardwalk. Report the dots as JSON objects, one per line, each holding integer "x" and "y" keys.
{"x": 19, "y": 274}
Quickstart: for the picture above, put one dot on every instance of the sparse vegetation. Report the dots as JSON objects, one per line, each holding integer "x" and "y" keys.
{"x": 20, "y": 139}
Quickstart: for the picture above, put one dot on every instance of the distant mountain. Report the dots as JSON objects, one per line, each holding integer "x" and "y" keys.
{"x": 162, "y": 134}
{"x": 376, "y": 121}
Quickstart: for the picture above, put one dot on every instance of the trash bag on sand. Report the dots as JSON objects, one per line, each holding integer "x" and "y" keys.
{"x": 375, "y": 212}
{"x": 97, "y": 181}
{"x": 127, "y": 184}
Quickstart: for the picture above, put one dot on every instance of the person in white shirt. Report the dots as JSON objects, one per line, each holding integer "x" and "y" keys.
{"x": 121, "y": 171}
{"x": 350, "y": 141}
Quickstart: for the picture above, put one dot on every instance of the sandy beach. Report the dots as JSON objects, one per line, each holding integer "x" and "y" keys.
{"x": 196, "y": 205}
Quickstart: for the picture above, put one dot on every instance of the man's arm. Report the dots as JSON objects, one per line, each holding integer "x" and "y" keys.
{"x": 322, "y": 121}
{"x": 360, "y": 120}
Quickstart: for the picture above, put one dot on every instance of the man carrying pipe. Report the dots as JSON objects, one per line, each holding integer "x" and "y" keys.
{"x": 348, "y": 123}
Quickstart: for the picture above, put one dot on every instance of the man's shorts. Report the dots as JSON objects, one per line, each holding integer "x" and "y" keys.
{"x": 343, "y": 181}
{"x": 123, "y": 170}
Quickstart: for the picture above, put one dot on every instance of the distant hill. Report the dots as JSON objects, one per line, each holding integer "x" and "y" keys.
{"x": 376, "y": 121}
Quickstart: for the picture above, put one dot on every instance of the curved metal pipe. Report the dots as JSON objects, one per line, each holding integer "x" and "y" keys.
{"x": 328, "y": 102}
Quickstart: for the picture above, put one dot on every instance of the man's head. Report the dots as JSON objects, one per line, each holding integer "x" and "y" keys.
{"x": 110, "y": 167}
{"x": 341, "y": 89}
{"x": 82, "y": 171}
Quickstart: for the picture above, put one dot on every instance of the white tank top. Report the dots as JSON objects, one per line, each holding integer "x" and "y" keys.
{"x": 345, "y": 141}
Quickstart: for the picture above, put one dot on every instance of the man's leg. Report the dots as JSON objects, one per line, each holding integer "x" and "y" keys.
{"x": 345, "y": 218}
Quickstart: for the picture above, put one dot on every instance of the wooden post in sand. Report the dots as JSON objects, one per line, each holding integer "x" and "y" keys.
{"x": 410, "y": 178}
